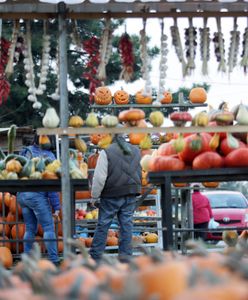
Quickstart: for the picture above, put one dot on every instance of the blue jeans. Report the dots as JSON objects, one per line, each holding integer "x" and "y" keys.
{"x": 37, "y": 210}
{"x": 124, "y": 208}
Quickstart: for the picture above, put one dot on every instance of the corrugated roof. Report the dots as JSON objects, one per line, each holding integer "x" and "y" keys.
{"x": 121, "y": 8}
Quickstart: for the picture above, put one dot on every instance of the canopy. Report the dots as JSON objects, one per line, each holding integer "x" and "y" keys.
{"x": 122, "y": 8}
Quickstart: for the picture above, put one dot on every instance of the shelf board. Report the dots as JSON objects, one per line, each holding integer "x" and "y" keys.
{"x": 134, "y": 129}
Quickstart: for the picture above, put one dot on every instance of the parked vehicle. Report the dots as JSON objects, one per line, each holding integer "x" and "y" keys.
{"x": 230, "y": 209}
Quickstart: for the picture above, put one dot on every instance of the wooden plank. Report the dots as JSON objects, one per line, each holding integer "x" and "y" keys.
{"x": 134, "y": 129}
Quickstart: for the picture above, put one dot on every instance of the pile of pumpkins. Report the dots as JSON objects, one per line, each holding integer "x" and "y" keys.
{"x": 155, "y": 275}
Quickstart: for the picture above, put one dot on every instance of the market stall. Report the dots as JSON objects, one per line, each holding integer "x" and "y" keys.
{"x": 64, "y": 11}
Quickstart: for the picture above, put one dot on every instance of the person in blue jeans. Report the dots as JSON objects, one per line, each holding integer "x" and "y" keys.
{"x": 116, "y": 182}
{"x": 38, "y": 208}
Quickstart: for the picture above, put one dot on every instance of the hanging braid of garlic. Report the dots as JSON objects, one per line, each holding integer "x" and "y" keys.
{"x": 176, "y": 42}
{"x": 220, "y": 47}
{"x": 56, "y": 95}
{"x": 190, "y": 45}
{"x": 244, "y": 55}
{"x": 163, "y": 60}
{"x": 9, "y": 69}
{"x": 205, "y": 46}
{"x": 29, "y": 65}
{"x": 233, "y": 47}
{"x": 145, "y": 61}
{"x": 105, "y": 50}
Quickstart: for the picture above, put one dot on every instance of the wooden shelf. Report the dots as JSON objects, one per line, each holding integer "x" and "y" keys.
{"x": 134, "y": 129}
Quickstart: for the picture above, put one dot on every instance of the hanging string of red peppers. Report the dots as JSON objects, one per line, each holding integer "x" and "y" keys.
{"x": 91, "y": 47}
{"x": 4, "y": 84}
{"x": 127, "y": 57}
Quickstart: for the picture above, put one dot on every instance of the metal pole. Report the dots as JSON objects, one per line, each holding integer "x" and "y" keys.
{"x": 64, "y": 114}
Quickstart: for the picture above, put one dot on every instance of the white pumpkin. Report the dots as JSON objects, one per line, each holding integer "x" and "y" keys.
{"x": 50, "y": 119}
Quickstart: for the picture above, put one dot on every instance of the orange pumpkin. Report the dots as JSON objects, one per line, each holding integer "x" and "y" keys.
{"x": 49, "y": 175}
{"x": 13, "y": 165}
{"x": 198, "y": 95}
{"x": 180, "y": 184}
{"x": 6, "y": 257}
{"x": 140, "y": 98}
{"x": 44, "y": 142}
{"x": 133, "y": 114}
{"x": 92, "y": 160}
{"x": 136, "y": 138}
{"x": 103, "y": 95}
{"x": 121, "y": 97}
{"x": 21, "y": 230}
{"x": 112, "y": 241}
{"x": 4, "y": 242}
{"x": 210, "y": 184}
{"x": 4, "y": 227}
{"x": 167, "y": 98}
{"x": 83, "y": 195}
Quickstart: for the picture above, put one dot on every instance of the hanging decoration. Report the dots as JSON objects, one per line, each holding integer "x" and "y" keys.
{"x": 11, "y": 54}
{"x": 163, "y": 60}
{"x": 91, "y": 47}
{"x": 127, "y": 57}
{"x": 56, "y": 96}
{"x": 4, "y": 84}
{"x": 75, "y": 36}
{"x": 219, "y": 47}
{"x": 205, "y": 46}
{"x": 234, "y": 47}
{"x": 105, "y": 50}
{"x": 29, "y": 65}
{"x": 244, "y": 55}
{"x": 177, "y": 43}
{"x": 190, "y": 46}
{"x": 147, "y": 91}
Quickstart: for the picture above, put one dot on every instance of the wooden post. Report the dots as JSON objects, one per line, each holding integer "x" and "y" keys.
{"x": 64, "y": 114}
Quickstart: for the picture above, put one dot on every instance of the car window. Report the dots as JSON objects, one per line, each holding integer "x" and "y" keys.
{"x": 227, "y": 200}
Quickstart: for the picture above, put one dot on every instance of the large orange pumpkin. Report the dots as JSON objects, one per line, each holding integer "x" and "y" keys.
{"x": 188, "y": 154}
{"x": 103, "y": 95}
{"x": 166, "y": 149}
{"x": 198, "y": 95}
{"x": 210, "y": 184}
{"x": 165, "y": 163}
{"x": 4, "y": 227}
{"x": 21, "y": 230}
{"x": 133, "y": 114}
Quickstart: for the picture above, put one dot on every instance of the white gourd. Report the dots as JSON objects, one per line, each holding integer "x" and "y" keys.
{"x": 50, "y": 119}
{"x": 242, "y": 115}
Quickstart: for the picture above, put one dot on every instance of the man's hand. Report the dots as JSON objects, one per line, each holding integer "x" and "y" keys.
{"x": 56, "y": 215}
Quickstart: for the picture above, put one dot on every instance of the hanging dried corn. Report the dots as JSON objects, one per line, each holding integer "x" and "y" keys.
{"x": 127, "y": 57}
{"x": 163, "y": 61}
{"x": 204, "y": 45}
{"x": 234, "y": 47}
{"x": 29, "y": 65}
{"x": 105, "y": 50}
{"x": 190, "y": 46}
{"x": 10, "y": 65}
{"x": 219, "y": 47}
{"x": 244, "y": 55}
{"x": 4, "y": 84}
{"x": 145, "y": 61}
{"x": 176, "y": 42}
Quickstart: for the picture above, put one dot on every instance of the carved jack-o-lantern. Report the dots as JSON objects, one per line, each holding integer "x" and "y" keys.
{"x": 121, "y": 97}
{"x": 103, "y": 95}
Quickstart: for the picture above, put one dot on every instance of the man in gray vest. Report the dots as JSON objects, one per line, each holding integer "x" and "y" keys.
{"x": 116, "y": 182}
